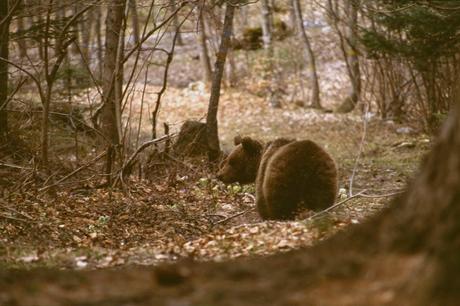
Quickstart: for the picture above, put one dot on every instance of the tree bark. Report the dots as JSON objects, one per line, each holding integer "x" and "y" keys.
{"x": 4, "y": 42}
{"x": 204, "y": 54}
{"x": 231, "y": 74}
{"x": 267, "y": 38}
{"x": 267, "y": 24}
{"x": 349, "y": 48}
{"x": 135, "y": 20}
{"x": 100, "y": 49}
{"x": 38, "y": 19}
{"x": 21, "y": 41}
{"x": 211, "y": 119}
{"x": 86, "y": 25}
{"x": 315, "y": 99}
{"x": 292, "y": 17}
{"x": 426, "y": 218}
{"x": 110, "y": 118}
{"x": 76, "y": 28}
{"x": 176, "y": 23}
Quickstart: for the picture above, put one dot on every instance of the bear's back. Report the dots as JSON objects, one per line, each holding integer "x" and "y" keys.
{"x": 301, "y": 175}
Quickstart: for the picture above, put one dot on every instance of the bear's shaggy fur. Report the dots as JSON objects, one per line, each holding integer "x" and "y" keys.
{"x": 290, "y": 175}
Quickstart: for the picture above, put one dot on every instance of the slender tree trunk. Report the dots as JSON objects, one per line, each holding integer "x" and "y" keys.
{"x": 60, "y": 15}
{"x": 4, "y": 41}
{"x": 22, "y": 42}
{"x": 231, "y": 69}
{"x": 99, "y": 46}
{"x": 315, "y": 100}
{"x": 211, "y": 119}
{"x": 353, "y": 52}
{"x": 135, "y": 20}
{"x": 176, "y": 22}
{"x": 292, "y": 17}
{"x": 204, "y": 54}
{"x": 267, "y": 24}
{"x": 86, "y": 27}
{"x": 38, "y": 19}
{"x": 49, "y": 85}
{"x": 109, "y": 117}
{"x": 244, "y": 16}
{"x": 351, "y": 56}
{"x": 267, "y": 37}
{"x": 76, "y": 28}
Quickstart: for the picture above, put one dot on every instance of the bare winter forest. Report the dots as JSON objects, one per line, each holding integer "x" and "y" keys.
{"x": 270, "y": 152}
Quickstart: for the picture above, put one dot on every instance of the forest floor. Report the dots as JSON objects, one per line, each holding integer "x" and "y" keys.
{"x": 183, "y": 213}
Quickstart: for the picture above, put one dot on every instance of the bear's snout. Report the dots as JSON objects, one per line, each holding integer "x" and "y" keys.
{"x": 220, "y": 175}
{"x": 225, "y": 176}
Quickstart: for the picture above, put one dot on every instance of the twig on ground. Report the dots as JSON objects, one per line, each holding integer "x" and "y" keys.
{"x": 13, "y": 218}
{"x": 215, "y": 215}
{"x": 234, "y": 216}
{"x": 129, "y": 163}
{"x": 335, "y": 205}
{"x": 182, "y": 163}
{"x": 4, "y": 205}
{"x": 381, "y": 195}
{"x": 74, "y": 172}
{"x": 14, "y": 166}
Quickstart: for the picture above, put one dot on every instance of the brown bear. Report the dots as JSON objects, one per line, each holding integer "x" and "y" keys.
{"x": 290, "y": 175}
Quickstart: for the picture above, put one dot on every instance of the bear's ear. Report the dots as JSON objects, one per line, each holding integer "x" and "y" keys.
{"x": 237, "y": 140}
{"x": 250, "y": 145}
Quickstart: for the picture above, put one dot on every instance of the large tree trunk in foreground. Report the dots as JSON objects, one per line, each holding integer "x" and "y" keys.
{"x": 4, "y": 39}
{"x": 211, "y": 119}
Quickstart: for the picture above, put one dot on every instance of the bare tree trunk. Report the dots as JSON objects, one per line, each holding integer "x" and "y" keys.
{"x": 21, "y": 41}
{"x": 86, "y": 27}
{"x": 292, "y": 17}
{"x": 349, "y": 46}
{"x": 49, "y": 81}
{"x": 267, "y": 37}
{"x": 111, "y": 126}
{"x": 244, "y": 17}
{"x": 176, "y": 22}
{"x": 60, "y": 15}
{"x": 38, "y": 19}
{"x": 315, "y": 99}
{"x": 4, "y": 41}
{"x": 204, "y": 54}
{"x": 135, "y": 20}
{"x": 76, "y": 29}
{"x": 267, "y": 24}
{"x": 98, "y": 30}
{"x": 231, "y": 69}
{"x": 211, "y": 119}
{"x": 353, "y": 52}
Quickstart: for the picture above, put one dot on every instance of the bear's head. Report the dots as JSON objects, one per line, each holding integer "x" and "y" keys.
{"x": 242, "y": 163}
